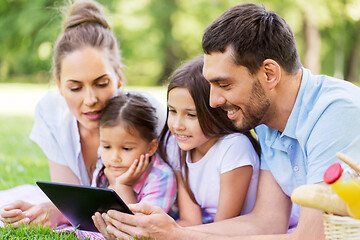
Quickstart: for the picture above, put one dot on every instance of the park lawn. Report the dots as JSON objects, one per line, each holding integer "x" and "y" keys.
{"x": 35, "y": 232}
{"x": 22, "y": 160}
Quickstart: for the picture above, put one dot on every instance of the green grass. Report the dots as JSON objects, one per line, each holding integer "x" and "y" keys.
{"x": 22, "y": 160}
{"x": 34, "y": 232}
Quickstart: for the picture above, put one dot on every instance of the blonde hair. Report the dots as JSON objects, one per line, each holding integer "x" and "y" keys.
{"x": 85, "y": 26}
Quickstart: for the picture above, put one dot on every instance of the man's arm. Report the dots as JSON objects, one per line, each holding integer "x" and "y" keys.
{"x": 268, "y": 220}
{"x": 269, "y": 216}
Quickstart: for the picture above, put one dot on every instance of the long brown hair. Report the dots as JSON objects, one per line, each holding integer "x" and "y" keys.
{"x": 213, "y": 121}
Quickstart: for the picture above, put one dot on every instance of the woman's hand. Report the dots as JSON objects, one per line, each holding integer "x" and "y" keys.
{"x": 150, "y": 222}
{"x": 20, "y": 212}
{"x": 134, "y": 172}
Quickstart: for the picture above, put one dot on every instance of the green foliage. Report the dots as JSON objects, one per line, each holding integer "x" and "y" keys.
{"x": 157, "y": 35}
{"x": 22, "y": 160}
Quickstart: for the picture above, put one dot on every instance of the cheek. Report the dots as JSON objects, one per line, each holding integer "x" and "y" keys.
{"x": 170, "y": 122}
{"x": 74, "y": 102}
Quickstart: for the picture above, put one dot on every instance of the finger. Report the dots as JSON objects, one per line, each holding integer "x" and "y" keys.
{"x": 117, "y": 233}
{"x": 99, "y": 223}
{"x": 113, "y": 217}
{"x": 141, "y": 164}
{"x": 15, "y": 218}
{"x": 10, "y": 213}
{"x": 20, "y": 223}
{"x": 17, "y": 205}
{"x": 144, "y": 162}
{"x": 132, "y": 169}
{"x": 144, "y": 208}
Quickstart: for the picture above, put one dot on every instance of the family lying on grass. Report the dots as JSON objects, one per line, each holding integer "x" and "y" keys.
{"x": 201, "y": 177}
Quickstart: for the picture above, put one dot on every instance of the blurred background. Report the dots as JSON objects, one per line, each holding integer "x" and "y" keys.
{"x": 157, "y": 35}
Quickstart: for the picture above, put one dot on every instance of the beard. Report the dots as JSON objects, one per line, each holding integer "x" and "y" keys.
{"x": 253, "y": 113}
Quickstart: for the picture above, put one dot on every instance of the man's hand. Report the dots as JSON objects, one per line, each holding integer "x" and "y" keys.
{"x": 150, "y": 222}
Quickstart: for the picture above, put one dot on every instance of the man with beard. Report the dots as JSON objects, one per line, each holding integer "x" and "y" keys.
{"x": 301, "y": 120}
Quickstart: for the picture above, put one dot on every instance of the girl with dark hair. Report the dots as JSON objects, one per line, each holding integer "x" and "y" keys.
{"x": 129, "y": 162}
{"x": 215, "y": 165}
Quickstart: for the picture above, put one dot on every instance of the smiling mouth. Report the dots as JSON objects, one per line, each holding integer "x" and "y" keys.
{"x": 231, "y": 111}
{"x": 182, "y": 137}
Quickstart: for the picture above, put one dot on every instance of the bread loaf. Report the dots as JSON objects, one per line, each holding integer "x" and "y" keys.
{"x": 319, "y": 196}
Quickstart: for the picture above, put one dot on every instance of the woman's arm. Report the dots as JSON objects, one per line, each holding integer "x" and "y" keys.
{"x": 233, "y": 189}
{"x": 189, "y": 211}
{"x": 62, "y": 174}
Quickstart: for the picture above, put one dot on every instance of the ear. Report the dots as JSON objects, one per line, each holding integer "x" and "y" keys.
{"x": 272, "y": 72}
{"x": 153, "y": 146}
{"x": 120, "y": 77}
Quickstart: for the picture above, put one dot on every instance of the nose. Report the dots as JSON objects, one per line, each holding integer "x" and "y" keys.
{"x": 216, "y": 99}
{"x": 178, "y": 123}
{"x": 90, "y": 98}
{"x": 115, "y": 156}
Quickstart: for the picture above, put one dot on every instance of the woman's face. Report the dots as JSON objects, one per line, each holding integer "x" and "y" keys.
{"x": 87, "y": 81}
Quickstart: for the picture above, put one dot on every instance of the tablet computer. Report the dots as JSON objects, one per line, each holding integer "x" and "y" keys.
{"x": 79, "y": 203}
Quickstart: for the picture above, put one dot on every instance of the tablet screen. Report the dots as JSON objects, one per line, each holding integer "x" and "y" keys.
{"x": 79, "y": 203}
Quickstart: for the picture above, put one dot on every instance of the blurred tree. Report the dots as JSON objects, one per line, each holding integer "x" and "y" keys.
{"x": 157, "y": 35}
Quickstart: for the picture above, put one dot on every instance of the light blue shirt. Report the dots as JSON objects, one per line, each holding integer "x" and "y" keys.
{"x": 324, "y": 120}
{"x": 56, "y": 132}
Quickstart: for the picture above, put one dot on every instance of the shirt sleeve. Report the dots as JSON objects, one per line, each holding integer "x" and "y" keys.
{"x": 160, "y": 189}
{"x": 43, "y": 135}
{"x": 239, "y": 153}
{"x": 335, "y": 131}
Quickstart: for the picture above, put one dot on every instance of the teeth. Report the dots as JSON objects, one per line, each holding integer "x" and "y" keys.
{"x": 232, "y": 111}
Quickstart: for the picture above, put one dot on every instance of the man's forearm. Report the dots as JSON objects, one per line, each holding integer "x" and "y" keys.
{"x": 249, "y": 224}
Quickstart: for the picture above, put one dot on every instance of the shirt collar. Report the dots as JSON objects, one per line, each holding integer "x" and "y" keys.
{"x": 292, "y": 122}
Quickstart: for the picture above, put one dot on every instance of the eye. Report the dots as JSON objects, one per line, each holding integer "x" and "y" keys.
{"x": 103, "y": 83}
{"x": 75, "y": 89}
{"x": 224, "y": 85}
{"x": 127, "y": 148}
{"x": 192, "y": 115}
{"x": 172, "y": 111}
{"x": 106, "y": 146}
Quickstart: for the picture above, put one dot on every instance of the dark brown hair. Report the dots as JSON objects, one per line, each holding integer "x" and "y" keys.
{"x": 134, "y": 112}
{"x": 213, "y": 121}
{"x": 85, "y": 26}
{"x": 254, "y": 35}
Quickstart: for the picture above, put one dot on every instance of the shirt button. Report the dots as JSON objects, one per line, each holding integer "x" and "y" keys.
{"x": 296, "y": 168}
{"x": 291, "y": 147}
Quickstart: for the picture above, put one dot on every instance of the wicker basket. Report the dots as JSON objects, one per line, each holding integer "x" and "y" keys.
{"x": 337, "y": 227}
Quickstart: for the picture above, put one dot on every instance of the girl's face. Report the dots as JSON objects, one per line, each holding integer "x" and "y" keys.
{"x": 183, "y": 122}
{"x": 121, "y": 146}
{"x": 87, "y": 81}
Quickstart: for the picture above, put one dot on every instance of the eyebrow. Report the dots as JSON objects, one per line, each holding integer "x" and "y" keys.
{"x": 218, "y": 79}
{"x": 187, "y": 109}
{"x": 98, "y": 78}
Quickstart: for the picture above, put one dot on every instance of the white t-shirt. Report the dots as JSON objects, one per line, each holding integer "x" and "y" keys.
{"x": 229, "y": 152}
{"x": 56, "y": 132}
